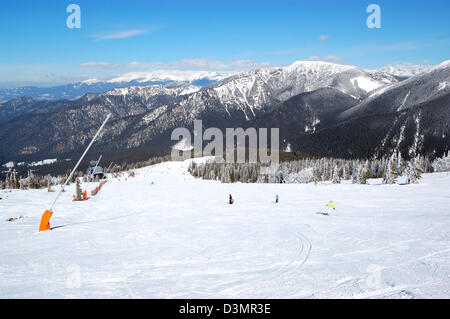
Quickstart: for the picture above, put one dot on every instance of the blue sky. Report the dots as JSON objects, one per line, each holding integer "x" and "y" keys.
{"x": 123, "y": 36}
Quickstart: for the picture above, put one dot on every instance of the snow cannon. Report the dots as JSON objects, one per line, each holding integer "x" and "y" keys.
{"x": 45, "y": 221}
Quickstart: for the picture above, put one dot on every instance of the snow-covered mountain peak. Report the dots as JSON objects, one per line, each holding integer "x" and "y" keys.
{"x": 148, "y": 90}
{"x": 257, "y": 90}
{"x": 73, "y": 91}
{"x": 403, "y": 95}
{"x": 89, "y": 81}
{"x": 318, "y": 66}
{"x": 170, "y": 75}
{"x": 443, "y": 65}
{"x": 405, "y": 69}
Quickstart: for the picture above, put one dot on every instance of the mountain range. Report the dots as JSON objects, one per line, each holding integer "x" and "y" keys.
{"x": 74, "y": 91}
{"x": 322, "y": 109}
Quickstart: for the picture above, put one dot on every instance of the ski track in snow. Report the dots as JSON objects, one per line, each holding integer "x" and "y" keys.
{"x": 177, "y": 238}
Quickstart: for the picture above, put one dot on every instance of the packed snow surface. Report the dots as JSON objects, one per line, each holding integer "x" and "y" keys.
{"x": 365, "y": 83}
{"x": 165, "y": 234}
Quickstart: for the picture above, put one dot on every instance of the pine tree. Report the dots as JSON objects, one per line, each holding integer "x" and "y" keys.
{"x": 15, "y": 181}
{"x": 79, "y": 193}
{"x": 364, "y": 173}
{"x": 391, "y": 172}
{"x": 317, "y": 175}
{"x": 7, "y": 181}
{"x": 346, "y": 173}
{"x": 400, "y": 164}
{"x": 414, "y": 172}
{"x": 336, "y": 179}
{"x": 356, "y": 175}
{"x": 231, "y": 176}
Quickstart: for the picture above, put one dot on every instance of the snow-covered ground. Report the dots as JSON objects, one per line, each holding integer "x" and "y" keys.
{"x": 166, "y": 234}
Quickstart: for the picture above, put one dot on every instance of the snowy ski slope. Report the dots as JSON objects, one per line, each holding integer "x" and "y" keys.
{"x": 178, "y": 238}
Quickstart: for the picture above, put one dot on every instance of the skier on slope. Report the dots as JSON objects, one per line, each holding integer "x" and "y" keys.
{"x": 327, "y": 209}
{"x": 231, "y": 200}
{"x": 276, "y": 198}
{"x": 330, "y": 206}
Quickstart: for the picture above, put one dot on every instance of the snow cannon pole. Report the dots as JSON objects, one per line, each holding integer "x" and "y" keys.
{"x": 45, "y": 221}
{"x": 107, "y": 171}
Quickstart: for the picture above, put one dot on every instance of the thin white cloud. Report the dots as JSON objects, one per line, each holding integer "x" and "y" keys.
{"x": 119, "y": 35}
{"x": 99, "y": 64}
{"x": 323, "y": 37}
{"x": 200, "y": 63}
{"x": 332, "y": 58}
{"x": 140, "y": 65}
{"x": 327, "y": 58}
{"x": 247, "y": 64}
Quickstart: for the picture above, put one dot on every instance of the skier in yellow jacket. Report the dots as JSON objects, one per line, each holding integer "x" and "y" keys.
{"x": 330, "y": 206}
{"x": 327, "y": 209}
